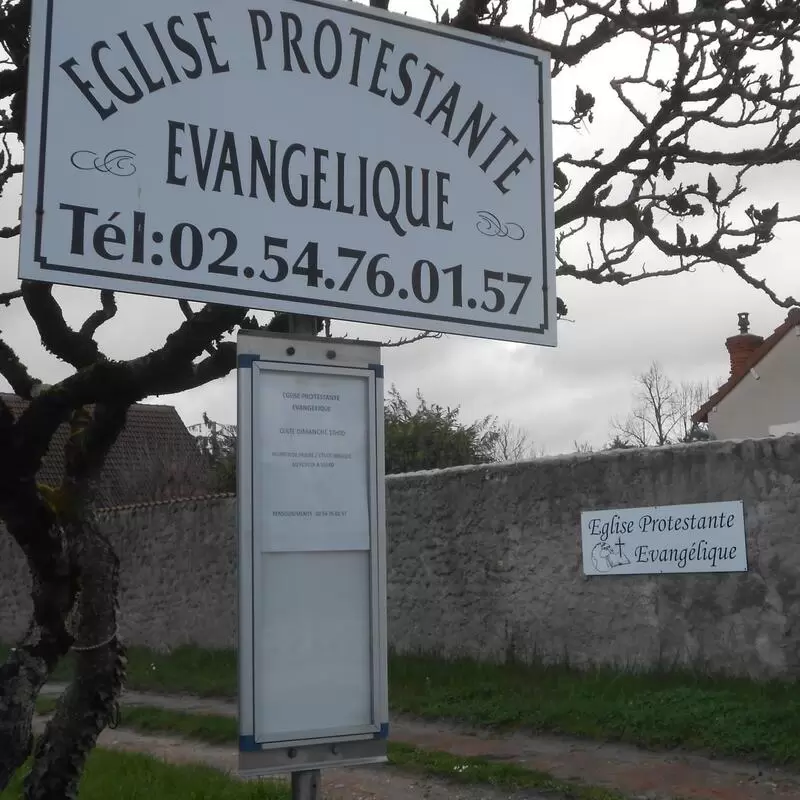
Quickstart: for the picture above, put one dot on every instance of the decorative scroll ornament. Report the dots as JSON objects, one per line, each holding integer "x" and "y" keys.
{"x": 489, "y": 225}
{"x": 118, "y": 162}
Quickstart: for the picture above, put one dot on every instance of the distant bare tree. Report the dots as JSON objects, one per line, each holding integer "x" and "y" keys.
{"x": 513, "y": 443}
{"x": 662, "y": 411}
{"x": 691, "y": 395}
{"x": 582, "y": 447}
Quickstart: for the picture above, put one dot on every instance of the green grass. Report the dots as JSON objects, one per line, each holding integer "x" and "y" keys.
{"x": 209, "y": 728}
{"x": 509, "y": 777}
{"x": 666, "y": 709}
{"x": 219, "y": 730}
{"x": 192, "y": 670}
{"x": 184, "y": 670}
{"x": 735, "y": 717}
{"x": 131, "y": 776}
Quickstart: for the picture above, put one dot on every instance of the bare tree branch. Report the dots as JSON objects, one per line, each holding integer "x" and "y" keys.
{"x": 404, "y": 340}
{"x": 107, "y": 311}
{"x": 15, "y": 372}
{"x": 76, "y": 348}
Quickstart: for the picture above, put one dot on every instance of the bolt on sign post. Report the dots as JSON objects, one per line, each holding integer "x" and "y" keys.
{"x": 312, "y": 556}
{"x": 307, "y": 156}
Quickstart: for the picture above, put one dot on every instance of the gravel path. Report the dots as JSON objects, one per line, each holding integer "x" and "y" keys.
{"x": 363, "y": 783}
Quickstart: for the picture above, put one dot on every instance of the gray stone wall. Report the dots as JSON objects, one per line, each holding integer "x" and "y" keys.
{"x": 486, "y": 562}
{"x": 177, "y": 578}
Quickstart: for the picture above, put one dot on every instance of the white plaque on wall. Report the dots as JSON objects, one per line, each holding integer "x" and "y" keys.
{"x": 704, "y": 537}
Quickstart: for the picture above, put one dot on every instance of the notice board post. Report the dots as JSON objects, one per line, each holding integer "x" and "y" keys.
{"x": 312, "y": 556}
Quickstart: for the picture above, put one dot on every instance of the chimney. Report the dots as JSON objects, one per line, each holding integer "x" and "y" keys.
{"x": 741, "y": 347}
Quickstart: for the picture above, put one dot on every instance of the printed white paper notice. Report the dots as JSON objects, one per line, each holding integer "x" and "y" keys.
{"x": 312, "y": 461}
{"x": 704, "y": 537}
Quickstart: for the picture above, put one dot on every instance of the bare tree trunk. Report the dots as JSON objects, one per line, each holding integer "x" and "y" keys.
{"x": 74, "y": 571}
{"x": 35, "y": 656}
{"x": 90, "y": 702}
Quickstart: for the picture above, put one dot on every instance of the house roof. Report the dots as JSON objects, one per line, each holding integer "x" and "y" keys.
{"x": 792, "y": 321}
{"x": 154, "y": 457}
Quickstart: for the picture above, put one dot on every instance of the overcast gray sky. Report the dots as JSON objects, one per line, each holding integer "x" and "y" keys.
{"x": 559, "y": 395}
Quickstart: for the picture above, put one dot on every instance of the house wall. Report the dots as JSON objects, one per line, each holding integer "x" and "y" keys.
{"x": 486, "y": 562}
{"x": 756, "y": 404}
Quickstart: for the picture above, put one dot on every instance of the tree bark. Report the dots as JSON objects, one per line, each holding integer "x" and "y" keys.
{"x": 32, "y": 660}
{"x": 74, "y": 571}
{"x": 90, "y": 702}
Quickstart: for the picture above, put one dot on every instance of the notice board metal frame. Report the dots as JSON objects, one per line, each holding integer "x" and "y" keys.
{"x": 258, "y": 355}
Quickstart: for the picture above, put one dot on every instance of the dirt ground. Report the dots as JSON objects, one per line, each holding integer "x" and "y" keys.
{"x": 640, "y": 774}
{"x": 366, "y": 783}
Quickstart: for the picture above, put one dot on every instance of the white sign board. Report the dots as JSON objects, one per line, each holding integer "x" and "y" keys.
{"x": 307, "y": 156}
{"x": 703, "y": 537}
{"x": 312, "y": 563}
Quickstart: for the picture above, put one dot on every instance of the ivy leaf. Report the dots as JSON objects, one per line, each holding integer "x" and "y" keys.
{"x": 712, "y": 189}
{"x": 680, "y": 234}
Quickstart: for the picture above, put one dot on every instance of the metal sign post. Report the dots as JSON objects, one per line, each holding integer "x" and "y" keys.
{"x": 312, "y": 606}
{"x": 305, "y": 785}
